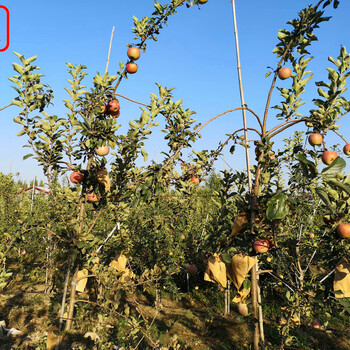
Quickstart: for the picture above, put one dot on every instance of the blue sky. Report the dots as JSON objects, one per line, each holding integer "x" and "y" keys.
{"x": 195, "y": 53}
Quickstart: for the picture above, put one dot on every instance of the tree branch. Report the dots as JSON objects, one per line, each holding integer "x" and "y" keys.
{"x": 290, "y": 122}
{"x": 129, "y": 99}
{"x": 6, "y": 107}
{"x": 228, "y": 111}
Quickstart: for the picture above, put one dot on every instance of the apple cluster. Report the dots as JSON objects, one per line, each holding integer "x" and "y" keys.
{"x": 111, "y": 108}
{"x": 328, "y": 157}
{"x": 134, "y": 54}
{"x": 77, "y": 177}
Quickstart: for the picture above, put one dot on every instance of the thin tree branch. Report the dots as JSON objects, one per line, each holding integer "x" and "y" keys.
{"x": 341, "y": 136}
{"x": 6, "y": 107}
{"x": 228, "y": 111}
{"x": 284, "y": 128}
{"x": 282, "y": 124}
{"x": 129, "y": 99}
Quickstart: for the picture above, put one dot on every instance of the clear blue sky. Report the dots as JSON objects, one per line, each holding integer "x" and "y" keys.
{"x": 195, "y": 53}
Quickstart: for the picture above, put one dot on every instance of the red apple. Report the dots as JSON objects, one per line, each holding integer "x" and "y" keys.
{"x": 346, "y": 149}
{"x": 76, "y": 177}
{"x": 243, "y": 309}
{"x": 284, "y": 73}
{"x": 103, "y": 109}
{"x": 315, "y": 139}
{"x": 328, "y": 220}
{"x": 272, "y": 155}
{"x": 316, "y": 324}
{"x": 195, "y": 180}
{"x": 282, "y": 321}
{"x": 295, "y": 319}
{"x": 261, "y": 246}
{"x": 131, "y": 68}
{"x": 92, "y": 197}
{"x": 328, "y": 157}
{"x": 134, "y": 53}
{"x": 191, "y": 269}
{"x": 115, "y": 114}
{"x": 113, "y": 106}
{"x": 344, "y": 230}
{"x": 102, "y": 151}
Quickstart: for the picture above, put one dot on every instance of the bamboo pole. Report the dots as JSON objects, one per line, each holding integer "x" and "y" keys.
{"x": 242, "y": 97}
{"x": 72, "y": 301}
{"x": 254, "y": 273}
{"x": 109, "y": 50}
{"x": 31, "y": 206}
{"x": 63, "y": 303}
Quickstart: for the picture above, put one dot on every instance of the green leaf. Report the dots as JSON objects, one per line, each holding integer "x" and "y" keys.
{"x": 18, "y": 68}
{"x": 277, "y": 207}
{"x": 21, "y": 133}
{"x": 334, "y": 169}
{"x": 324, "y": 197}
{"x": 340, "y": 185}
{"x": 29, "y": 60}
{"x": 145, "y": 155}
{"x": 18, "y": 120}
{"x": 27, "y": 156}
{"x": 17, "y": 103}
{"x": 226, "y": 258}
{"x": 305, "y": 162}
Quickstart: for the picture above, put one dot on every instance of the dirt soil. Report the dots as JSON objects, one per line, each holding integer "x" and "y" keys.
{"x": 195, "y": 324}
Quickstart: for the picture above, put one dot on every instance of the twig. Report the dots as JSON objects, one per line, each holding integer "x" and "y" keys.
{"x": 5, "y": 107}
{"x": 93, "y": 224}
{"x": 281, "y": 279}
{"x": 228, "y": 111}
{"x": 341, "y": 136}
{"x": 108, "y": 237}
{"x": 129, "y": 99}
{"x": 291, "y": 122}
{"x": 324, "y": 278}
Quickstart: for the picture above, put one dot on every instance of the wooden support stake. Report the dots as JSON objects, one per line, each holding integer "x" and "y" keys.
{"x": 109, "y": 50}
{"x": 63, "y": 303}
{"x": 72, "y": 301}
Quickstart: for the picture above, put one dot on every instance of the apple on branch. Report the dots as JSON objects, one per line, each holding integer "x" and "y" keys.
{"x": 328, "y": 157}
{"x": 343, "y": 230}
{"x": 315, "y": 139}
{"x": 103, "y": 109}
{"x": 92, "y": 197}
{"x": 131, "y": 68}
{"x": 191, "y": 269}
{"x": 195, "y": 179}
{"x": 261, "y": 246}
{"x": 102, "y": 151}
{"x": 134, "y": 53}
{"x": 113, "y": 106}
{"x": 76, "y": 177}
{"x": 346, "y": 149}
{"x": 115, "y": 114}
{"x": 284, "y": 73}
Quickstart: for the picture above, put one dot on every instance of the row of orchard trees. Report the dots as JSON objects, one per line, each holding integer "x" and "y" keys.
{"x": 161, "y": 219}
